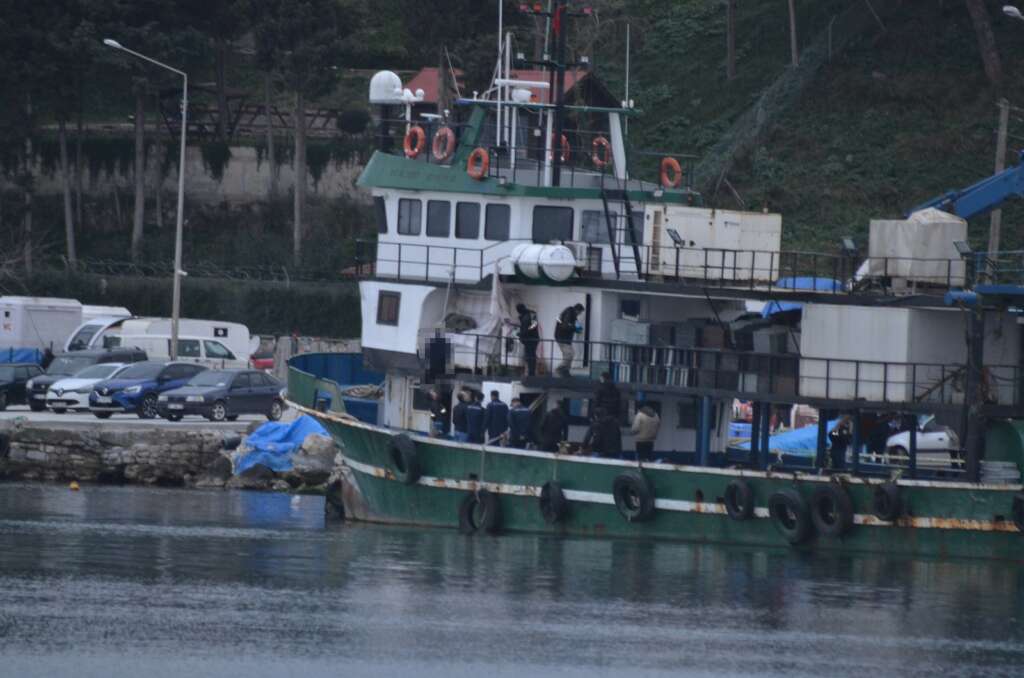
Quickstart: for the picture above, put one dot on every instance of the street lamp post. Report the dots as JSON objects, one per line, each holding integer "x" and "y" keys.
{"x": 179, "y": 227}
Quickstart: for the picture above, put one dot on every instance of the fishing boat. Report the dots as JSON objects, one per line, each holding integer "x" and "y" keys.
{"x": 522, "y": 207}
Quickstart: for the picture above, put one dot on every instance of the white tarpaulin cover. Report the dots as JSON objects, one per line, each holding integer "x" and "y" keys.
{"x": 919, "y": 248}
{"x": 494, "y": 317}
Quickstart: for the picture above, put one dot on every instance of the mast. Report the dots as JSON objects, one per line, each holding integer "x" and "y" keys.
{"x": 560, "y": 30}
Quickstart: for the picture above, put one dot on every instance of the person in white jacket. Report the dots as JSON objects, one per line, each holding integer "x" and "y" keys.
{"x": 645, "y": 428}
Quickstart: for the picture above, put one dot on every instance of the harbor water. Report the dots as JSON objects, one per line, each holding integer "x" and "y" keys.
{"x": 127, "y": 581}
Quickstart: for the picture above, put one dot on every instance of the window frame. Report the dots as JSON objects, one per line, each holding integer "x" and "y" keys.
{"x": 408, "y": 202}
{"x": 431, "y": 226}
{"x": 389, "y": 295}
{"x": 183, "y": 342}
{"x": 380, "y": 207}
{"x": 206, "y": 349}
{"x": 458, "y": 222}
{"x": 553, "y": 208}
{"x": 498, "y": 207}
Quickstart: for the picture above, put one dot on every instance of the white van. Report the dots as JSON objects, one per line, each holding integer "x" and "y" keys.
{"x": 37, "y": 322}
{"x": 210, "y": 352}
{"x": 234, "y": 336}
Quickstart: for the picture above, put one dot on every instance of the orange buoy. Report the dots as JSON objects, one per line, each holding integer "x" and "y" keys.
{"x": 671, "y": 173}
{"x": 415, "y": 141}
{"x": 444, "y": 144}
{"x": 74, "y": 486}
{"x": 566, "y": 148}
{"x": 602, "y": 153}
{"x": 478, "y": 164}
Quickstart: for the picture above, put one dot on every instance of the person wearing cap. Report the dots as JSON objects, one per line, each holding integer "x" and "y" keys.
{"x": 565, "y": 331}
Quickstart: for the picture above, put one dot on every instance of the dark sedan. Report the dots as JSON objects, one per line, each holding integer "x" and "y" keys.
{"x": 225, "y": 394}
{"x": 12, "y": 382}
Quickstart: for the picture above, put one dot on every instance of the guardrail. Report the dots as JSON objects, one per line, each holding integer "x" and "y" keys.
{"x": 747, "y": 374}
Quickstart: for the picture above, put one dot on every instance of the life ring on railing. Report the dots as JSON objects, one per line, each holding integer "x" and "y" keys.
{"x": 634, "y": 496}
{"x": 566, "y": 149}
{"x": 478, "y": 164}
{"x": 832, "y": 510}
{"x": 480, "y": 511}
{"x": 602, "y": 153}
{"x": 404, "y": 460}
{"x": 739, "y": 500}
{"x": 553, "y": 504}
{"x": 671, "y": 173}
{"x": 444, "y": 144}
{"x": 790, "y": 514}
{"x": 415, "y": 141}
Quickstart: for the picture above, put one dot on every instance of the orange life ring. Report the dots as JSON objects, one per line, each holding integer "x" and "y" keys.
{"x": 602, "y": 155}
{"x": 566, "y": 148}
{"x": 478, "y": 164}
{"x": 671, "y": 173}
{"x": 415, "y": 141}
{"x": 444, "y": 144}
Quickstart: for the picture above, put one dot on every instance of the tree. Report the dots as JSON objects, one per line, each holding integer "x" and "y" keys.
{"x": 303, "y": 42}
{"x": 986, "y": 41}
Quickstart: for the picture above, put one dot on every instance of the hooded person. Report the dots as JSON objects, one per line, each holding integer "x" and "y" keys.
{"x": 529, "y": 337}
{"x": 565, "y": 331}
{"x": 645, "y": 430}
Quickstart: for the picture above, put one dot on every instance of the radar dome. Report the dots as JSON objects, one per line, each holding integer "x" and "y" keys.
{"x": 385, "y": 88}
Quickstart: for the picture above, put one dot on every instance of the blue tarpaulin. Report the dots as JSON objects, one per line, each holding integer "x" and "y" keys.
{"x": 274, "y": 443}
{"x": 800, "y": 442}
{"x": 799, "y": 283}
{"x": 21, "y": 355}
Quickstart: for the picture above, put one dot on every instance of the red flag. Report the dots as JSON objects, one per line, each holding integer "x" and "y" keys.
{"x": 557, "y": 23}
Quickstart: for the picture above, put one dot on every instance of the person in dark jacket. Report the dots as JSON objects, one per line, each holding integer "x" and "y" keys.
{"x": 520, "y": 425}
{"x": 552, "y": 429}
{"x": 496, "y": 418}
{"x": 459, "y": 418}
{"x": 604, "y": 437}
{"x": 475, "y": 418}
{"x": 529, "y": 337}
{"x": 438, "y": 414}
{"x": 607, "y": 397}
{"x": 565, "y": 331}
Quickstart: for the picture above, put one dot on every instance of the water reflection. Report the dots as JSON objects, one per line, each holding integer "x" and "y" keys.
{"x": 255, "y": 583}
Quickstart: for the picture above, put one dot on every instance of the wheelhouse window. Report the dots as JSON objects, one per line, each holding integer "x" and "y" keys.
{"x": 467, "y": 220}
{"x": 497, "y": 220}
{"x": 439, "y": 218}
{"x": 381, "y": 211}
{"x": 387, "y": 307}
{"x": 552, "y": 223}
{"x": 409, "y": 216}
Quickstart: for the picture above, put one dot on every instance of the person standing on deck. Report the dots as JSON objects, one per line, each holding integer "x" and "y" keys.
{"x": 438, "y": 415}
{"x": 604, "y": 438}
{"x": 519, "y": 425}
{"x": 645, "y": 427}
{"x": 529, "y": 337}
{"x": 552, "y": 429}
{"x": 475, "y": 418}
{"x": 607, "y": 397}
{"x": 459, "y": 418}
{"x": 565, "y": 330}
{"x": 496, "y": 418}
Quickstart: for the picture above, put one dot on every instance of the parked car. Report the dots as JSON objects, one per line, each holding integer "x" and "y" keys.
{"x": 13, "y": 377}
{"x": 72, "y": 393}
{"x": 936, "y": 445}
{"x": 68, "y": 364}
{"x": 138, "y": 387}
{"x": 225, "y": 394}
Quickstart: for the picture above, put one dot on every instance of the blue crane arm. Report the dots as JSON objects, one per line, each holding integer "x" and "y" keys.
{"x": 984, "y": 196}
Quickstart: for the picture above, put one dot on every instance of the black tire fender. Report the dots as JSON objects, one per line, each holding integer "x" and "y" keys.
{"x": 832, "y": 510}
{"x": 886, "y": 502}
{"x": 791, "y": 516}
{"x": 1017, "y": 511}
{"x": 405, "y": 463}
{"x": 334, "y": 504}
{"x": 480, "y": 511}
{"x": 739, "y": 499}
{"x": 634, "y": 496}
{"x": 552, "y": 502}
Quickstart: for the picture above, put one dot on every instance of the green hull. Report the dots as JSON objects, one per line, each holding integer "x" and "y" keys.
{"x": 941, "y": 518}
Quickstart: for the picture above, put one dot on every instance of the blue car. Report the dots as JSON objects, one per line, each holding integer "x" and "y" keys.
{"x": 138, "y": 388}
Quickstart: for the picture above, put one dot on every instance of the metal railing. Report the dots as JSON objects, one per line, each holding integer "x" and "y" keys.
{"x": 746, "y": 374}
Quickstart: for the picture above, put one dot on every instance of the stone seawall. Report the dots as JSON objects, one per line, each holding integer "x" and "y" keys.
{"x": 165, "y": 456}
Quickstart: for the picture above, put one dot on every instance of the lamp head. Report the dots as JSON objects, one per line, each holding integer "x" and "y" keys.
{"x": 1012, "y": 12}
{"x": 112, "y": 43}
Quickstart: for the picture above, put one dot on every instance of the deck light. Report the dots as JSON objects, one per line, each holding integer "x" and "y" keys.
{"x": 848, "y": 246}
